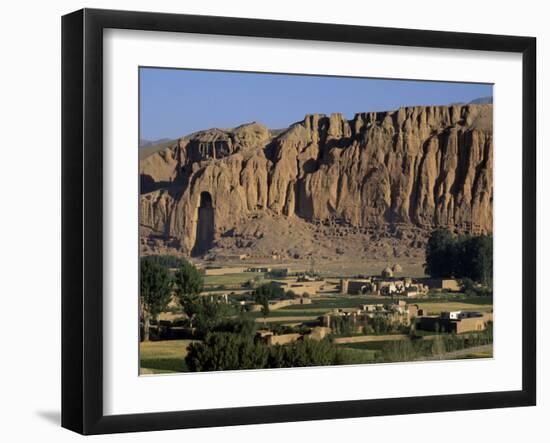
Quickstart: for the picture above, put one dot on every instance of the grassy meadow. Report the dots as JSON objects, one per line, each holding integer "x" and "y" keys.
{"x": 161, "y": 357}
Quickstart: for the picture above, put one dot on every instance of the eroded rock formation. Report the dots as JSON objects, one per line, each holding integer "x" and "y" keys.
{"x": 393, "y": 172}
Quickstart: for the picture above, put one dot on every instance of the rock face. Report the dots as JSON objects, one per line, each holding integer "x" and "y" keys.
{"x": 392, "y": 174}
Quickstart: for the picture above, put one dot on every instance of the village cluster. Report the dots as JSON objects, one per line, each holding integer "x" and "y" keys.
{"x": 389, "y": 289}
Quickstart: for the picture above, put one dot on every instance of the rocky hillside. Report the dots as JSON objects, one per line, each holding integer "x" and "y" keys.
{"x": 326, "y": 186}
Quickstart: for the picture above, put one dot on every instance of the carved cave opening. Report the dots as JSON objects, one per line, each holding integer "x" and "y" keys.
{"x": 204, "y": 237}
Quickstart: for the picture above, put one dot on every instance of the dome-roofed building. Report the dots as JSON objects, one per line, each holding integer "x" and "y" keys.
{"x": 396, "y": 268}
{"x": 387, "y": 272}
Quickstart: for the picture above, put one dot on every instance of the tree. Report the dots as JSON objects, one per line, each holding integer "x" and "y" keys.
{"x": 412, "y": 328}
{"x": 241, "y": 324}
{"x": 440, "y": 253}
{"x": 277, "y": 273}
{"x": 400, "y": 350}
{"x": 248, "y": 284}
{"x": 188, "y": 284}
{"x": 460, "y": 256}
{"x": 265, "y": 308}
{"x": 155, "y": 288}
{"x": 223, "y": 351}
{"x": 438, "y": 346}
{"x": 468, "y": 286}
{"x": 479, "y": 256}
{"x": 304, "y": 353}
{"x": 209, "y": 314}
{"x": 290, "y": 294}
{"x": 381, "y": 325}
{"x": 226, "y": 351}
{"x": 268, "y": 291}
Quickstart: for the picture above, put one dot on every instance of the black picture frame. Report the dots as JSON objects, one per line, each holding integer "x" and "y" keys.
{"x": 82, "y": 215}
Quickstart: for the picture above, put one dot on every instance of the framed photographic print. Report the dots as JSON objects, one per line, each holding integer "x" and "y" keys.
{"x": 269, "y": 221}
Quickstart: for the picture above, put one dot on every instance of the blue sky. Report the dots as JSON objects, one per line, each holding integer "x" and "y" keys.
{"x": 176, "y": 102}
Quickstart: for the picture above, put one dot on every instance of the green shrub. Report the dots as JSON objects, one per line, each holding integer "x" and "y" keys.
{"x": 226, "y": 351}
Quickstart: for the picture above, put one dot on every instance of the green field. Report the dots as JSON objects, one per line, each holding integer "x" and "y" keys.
{"x": 436, "y": 308}
{"x": 159, "y": 357}
{"x": 341, "y": 301}
{"x": 359, "y": 356}
{"x": 320, "y": 306}
{"x": 169, "y": 356}
{"x": 232, "y": 279}
{"x": 451, "y": 302}
{"x": 285, "y": 313}
{"x": 454, "y": 297}
{"x": 369, "y": 345}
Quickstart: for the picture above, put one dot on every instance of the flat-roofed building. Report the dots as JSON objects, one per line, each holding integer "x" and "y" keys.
{"x": 357, "y": 286}
{"x": 457, "y": 322}
{"x": 448, "y": 284}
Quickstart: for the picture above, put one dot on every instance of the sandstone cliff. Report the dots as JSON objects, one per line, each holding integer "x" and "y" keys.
{"x": 390, "y": 174}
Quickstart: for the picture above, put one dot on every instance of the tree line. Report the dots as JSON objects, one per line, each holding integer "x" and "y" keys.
{"x": 417, "y": 349}
{"x": 460, "y": 256}
{"x": 157, "y": 285}
{"x": 230, "y": 351}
